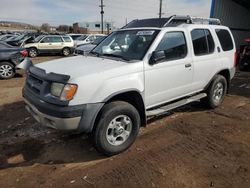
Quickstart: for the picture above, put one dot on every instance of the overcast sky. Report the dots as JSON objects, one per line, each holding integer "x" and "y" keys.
{"x": 56, "y": 12}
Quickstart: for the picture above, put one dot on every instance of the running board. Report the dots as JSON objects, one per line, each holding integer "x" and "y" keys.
{"x": 177, "y": 104}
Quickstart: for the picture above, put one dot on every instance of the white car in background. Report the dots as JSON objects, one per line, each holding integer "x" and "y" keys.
{"x": 75, "y": 36}
{"x": 86, "y": 39}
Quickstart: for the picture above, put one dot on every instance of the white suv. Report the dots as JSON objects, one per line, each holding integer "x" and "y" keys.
{"x": 51, "y": 44}
{"x": 145, "y": 69}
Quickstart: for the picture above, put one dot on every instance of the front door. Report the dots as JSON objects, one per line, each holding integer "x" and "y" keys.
{"x": 172, "y": 77}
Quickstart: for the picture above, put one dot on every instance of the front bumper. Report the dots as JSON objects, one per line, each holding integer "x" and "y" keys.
{"x": 65, "y": 124}
{"x": 79, "y": 118}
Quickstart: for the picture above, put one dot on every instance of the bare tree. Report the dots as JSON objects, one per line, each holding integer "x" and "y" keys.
{"x": 45, "y": 27}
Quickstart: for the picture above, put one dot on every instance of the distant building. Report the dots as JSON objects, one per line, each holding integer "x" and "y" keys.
{"x": 95, "y": 27}
{"x": 235, "y": 14}
{"x": 79, "y": 29}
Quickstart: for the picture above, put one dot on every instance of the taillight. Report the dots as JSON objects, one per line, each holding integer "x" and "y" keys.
{"x": 24, "y": 53}
{"x": 235, "y": 59}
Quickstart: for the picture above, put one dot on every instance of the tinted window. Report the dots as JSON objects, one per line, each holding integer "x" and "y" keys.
{"x": 203, "y": 42}
{"x": 174, "y": 45}
{"x": 225, "y": 39}
{"x": 57, "y": 39}
{"x": 66, "y": 39}
{"x": 47, "y": 40}
{"x": 52, "y": 39}
{"x": 199, "y": 42}
{"x": 210, "y": 41}
{"x": 74, "y": 37}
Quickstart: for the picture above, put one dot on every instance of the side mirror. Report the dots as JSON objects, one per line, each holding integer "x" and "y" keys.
{"x": 156, "y": 57}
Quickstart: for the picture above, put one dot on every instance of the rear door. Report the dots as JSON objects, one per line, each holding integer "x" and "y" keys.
{"x": 57, "y": 43}
{"x": 170, "y": 78}
{"x": 205, "y": 57}
{"x": 228, "y": 52}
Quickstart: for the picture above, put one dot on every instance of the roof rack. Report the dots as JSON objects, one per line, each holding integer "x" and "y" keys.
{"x": 174, "y": 20}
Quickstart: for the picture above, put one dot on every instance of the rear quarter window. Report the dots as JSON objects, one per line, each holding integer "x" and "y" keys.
{"x": 66, "y": 39}
{"x": 225, "y": 39}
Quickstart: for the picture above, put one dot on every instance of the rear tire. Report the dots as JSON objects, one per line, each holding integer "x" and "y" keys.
{"x": 216, "y": 92}
{"x": 7, "y": 70}
{"x": 33, "y": 52}
{"x": 117, "y": 128}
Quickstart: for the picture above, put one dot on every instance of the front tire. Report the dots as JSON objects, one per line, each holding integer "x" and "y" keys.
{"x": 7, "y": 70}
{"x": 216, "y": 92}
{"x": 66, "y": 52}
{"x": 117, "y": 128}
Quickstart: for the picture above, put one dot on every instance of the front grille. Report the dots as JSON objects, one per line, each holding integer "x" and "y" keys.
{"x": 38, "y": 85}
{"x": 79, "y": 52}
{"x": 35, "y": 84}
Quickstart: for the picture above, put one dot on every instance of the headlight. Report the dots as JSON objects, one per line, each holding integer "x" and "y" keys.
{"x": 62, "y": 91}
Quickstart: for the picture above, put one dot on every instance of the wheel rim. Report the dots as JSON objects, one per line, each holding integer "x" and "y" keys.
{"x": 66, "y": 52}
{"x": 119, "y": 130}
{"x": 6, "y": 71}
{"x": 33, "y": 53}
{"x": 218, "y": 92}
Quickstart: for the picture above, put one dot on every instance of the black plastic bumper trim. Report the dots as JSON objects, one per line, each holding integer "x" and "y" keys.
{"x": 54, "y": 110}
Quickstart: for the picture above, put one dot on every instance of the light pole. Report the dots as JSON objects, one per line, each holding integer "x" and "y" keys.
{"x": 160, "y": 10}
{"x": 102, "y": 12}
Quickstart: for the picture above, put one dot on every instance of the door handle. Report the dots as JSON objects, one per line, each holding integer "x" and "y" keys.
{"x": 188, "y": 65}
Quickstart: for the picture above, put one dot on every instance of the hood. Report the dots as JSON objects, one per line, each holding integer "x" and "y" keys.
{"x": 79, "y": 66}
{"x": 86, "y": 47}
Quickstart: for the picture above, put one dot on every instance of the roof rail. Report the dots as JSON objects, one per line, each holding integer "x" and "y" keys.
{"x": 211, "y": 21}
{"x": 172, "y": 21}
{"x": 176, "y": 19}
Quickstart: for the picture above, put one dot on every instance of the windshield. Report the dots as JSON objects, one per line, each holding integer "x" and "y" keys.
{"x": 20, "y": 37}
{"x": 127, "y": 44}
{"x": 37, "y": 39}
{"x": 98, "y": 40}
{"x": 83, "y": 37}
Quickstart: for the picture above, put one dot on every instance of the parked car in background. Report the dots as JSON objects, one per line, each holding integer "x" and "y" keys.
{"x": 244, "y": 56}
{"x": 75, "y": 36}
{"x": 50, "y": 44}
{"x": 86, "y": 39}
{"x": 6, "y": 36}
{"x": 19, "y": 40}
{"x": 86, "y": 48}
{"x": 10, "y": 57}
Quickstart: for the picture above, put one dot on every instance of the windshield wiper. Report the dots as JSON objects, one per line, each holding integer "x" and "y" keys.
{"x": 118, "y": 56}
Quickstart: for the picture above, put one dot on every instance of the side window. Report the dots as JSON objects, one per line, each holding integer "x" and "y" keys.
{"x": 91, "y": 38}
{"x": 46, "y": 40}
{"x": 210, "y": 41}
{"x": 199, "y": 42}
{"x": 203, "y": 42}
{"x": 56, "y": 39}
{"x": 225, "y": 39}
{"x": 174, "y": 45}
{"x": 66, "y": 39}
